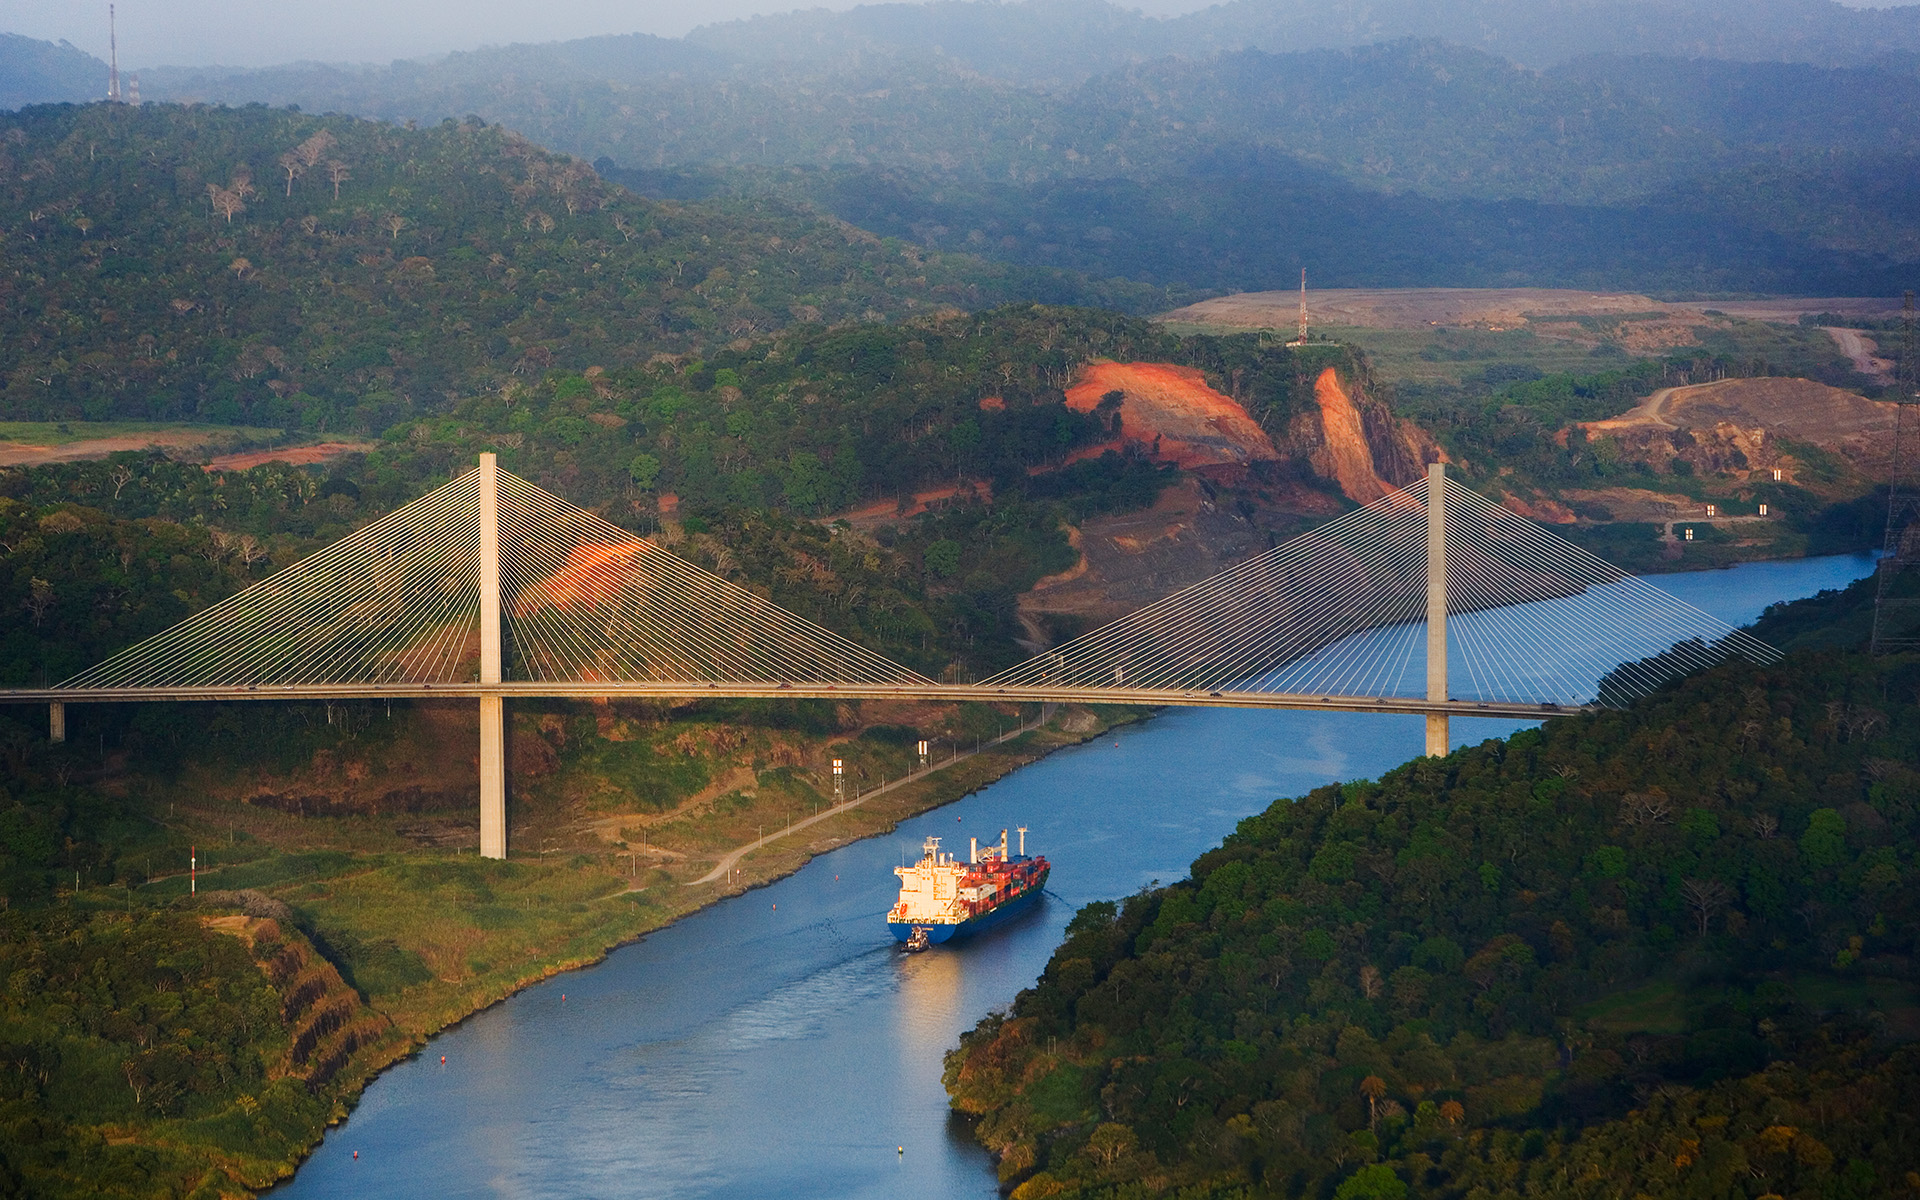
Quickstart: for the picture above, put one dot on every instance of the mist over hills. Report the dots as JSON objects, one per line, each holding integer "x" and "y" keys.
{"x": 1643, "y": 173}
{"x": 1055, "y": 42}
{"x": 37, "y": 72}
{"x": 1599, "y": 143}
{"x": 1066, "y": 40}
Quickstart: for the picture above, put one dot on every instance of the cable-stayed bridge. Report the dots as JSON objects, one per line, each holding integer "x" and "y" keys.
{"x": 1433, "y": 600}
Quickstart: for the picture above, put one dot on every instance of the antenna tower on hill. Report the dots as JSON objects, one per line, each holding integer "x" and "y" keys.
{"x": 1896, "y": 606}
{"x": 113, "y": 57}
{"x": 1302, "y": 339}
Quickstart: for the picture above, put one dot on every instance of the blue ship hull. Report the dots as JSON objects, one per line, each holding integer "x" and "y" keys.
{"x": 937, "y": 934}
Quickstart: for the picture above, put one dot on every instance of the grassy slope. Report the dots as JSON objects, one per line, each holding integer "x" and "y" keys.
{"x": 417, "y": 935}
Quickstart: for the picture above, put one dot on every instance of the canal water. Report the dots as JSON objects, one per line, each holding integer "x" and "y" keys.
{"x": 778, "y": 1045}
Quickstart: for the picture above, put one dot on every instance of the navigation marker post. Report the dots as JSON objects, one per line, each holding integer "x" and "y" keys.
{"x": 493, "y": 758}
{"x": 1436, "y": 605}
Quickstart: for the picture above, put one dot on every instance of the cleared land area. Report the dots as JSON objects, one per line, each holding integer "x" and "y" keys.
{"x": 32, "y": 443}
{"x": 1833, "y": 419}
{"x": 1490, "y": 308}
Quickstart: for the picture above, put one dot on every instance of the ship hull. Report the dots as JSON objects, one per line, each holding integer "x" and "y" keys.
{"x": 941, "y": 933}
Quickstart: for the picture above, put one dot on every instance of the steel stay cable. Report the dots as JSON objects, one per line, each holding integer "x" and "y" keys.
{"x": 1378, "y": 640}
{"x": 1282, "y": 575}
{"x": 1311, "y": 600}
{"x": 1638, "y": 594}
{"x": 1342, "y": 658}
{"x": 426, "y": 603}
{"x": 749, "y": 648}
{"x": 626, "y": 538}
{"x": 1269, "y": 573}
{"x": 1499, "y": 613}
{"x": 238, "y": 616}
{"x": 1306, "y": 634}
{"x": 537, "y": 638}
{"x": 1639, "y": 605}
{"x": 268, "y": 605}
{"x": 343, "y": 608}
{"x": 1255, "y": 571}
{"x": 242, "y": 622}
{"x": 1485, "y": 670}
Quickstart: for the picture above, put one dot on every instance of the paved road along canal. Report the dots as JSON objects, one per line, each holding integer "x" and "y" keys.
{"x": 750, "y": 1051}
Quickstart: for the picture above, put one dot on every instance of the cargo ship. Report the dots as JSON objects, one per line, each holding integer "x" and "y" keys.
{"x": 942, "y": 898}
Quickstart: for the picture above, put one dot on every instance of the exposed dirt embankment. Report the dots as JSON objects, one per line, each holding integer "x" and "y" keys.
{"x": 1351, "y": 440}
{"x": 298, "y": 456}
{"x": 1244, "y": 484}
{"x": 1732, "y": 425}
{"x": 1344, "y": 454}
{"x": 428, "y": 766}
{"x": 326, "y": 1018}
{"x": 1128, "y": 560}
{"x": 1171, "y": 410}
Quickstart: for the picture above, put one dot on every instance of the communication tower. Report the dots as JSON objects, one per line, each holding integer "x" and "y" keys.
{"x": 1302, "y": 339}
{"x": 113, "y": 58}
{"x": 1896, "y": 606}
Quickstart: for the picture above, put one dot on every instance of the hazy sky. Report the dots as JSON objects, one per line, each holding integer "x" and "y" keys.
{"x": 258, "y": 32}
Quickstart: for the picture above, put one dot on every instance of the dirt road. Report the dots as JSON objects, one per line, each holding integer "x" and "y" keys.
{"x": 733, "y": 858}
{"x": 1860, "y": 348}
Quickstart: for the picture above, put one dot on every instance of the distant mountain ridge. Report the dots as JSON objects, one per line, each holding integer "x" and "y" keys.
{"x": 37, "y": 72}
{"x": 1084, "y": 37}
{"x": 1410, "y": 162}
{"x": 1062, "y": 42}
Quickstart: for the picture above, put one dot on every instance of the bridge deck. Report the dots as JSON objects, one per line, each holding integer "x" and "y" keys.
{"x": 680, "y": 690}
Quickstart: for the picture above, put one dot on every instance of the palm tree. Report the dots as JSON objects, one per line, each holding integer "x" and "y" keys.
{"x": 1373, "y": 1088}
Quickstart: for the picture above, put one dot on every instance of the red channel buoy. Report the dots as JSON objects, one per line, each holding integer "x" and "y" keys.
{"x": 356, "y": 1156}
{"x": 443, "y": 1060}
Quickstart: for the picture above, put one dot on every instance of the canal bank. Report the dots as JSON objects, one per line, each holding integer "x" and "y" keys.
{"x": 774, "y": 1044}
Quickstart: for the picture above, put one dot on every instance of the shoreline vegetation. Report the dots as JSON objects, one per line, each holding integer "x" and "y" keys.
{"x": 369, "y": 950}
{"x": 1664, "y": 950}
{"x": 765, "y": 861}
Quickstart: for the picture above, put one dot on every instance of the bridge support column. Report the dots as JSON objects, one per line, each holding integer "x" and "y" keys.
{"x": 493, "y": 742}
{"x": 1437, "y": 732}
{"x": 57, "y": 721}
{"x": 493, "y": 777}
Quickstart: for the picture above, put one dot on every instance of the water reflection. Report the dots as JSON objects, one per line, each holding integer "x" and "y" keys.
{"x": 750, "y": 1051}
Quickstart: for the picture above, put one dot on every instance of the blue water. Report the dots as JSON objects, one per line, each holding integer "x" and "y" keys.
{"x": 754, "y": 1052}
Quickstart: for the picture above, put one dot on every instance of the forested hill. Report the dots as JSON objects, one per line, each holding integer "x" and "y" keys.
{"x": 272, "y": 268}
{"x": 1661, "y": 952}
{"x": 1411, "y": 162}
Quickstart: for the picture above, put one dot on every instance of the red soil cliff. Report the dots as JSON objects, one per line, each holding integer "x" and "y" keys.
{"x": 1172, "y": 408}
{"x": 1345, "y": 456}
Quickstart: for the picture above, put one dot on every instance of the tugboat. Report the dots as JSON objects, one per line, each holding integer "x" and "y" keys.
{"x": 942, "y": 898}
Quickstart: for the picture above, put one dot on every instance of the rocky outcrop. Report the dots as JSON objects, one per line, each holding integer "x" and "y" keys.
{"x": 1353, "y": 441}
{"x": 326, "y": 1020}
